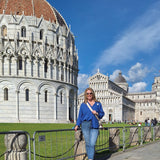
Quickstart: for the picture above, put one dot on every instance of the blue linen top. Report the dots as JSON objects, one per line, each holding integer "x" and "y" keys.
{"x": 85, "y": 114}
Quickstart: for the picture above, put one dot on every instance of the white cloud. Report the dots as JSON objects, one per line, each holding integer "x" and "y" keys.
{"x": 137, "y": 73}
{"x": 142, "y": 37}
{"x": 138, "y": 87}
{"x": 135, "y": 76}
{"x": 82, "y": 82}
{"x": 114, "y": 75}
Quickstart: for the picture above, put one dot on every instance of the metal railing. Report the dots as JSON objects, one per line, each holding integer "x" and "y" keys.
{"x": 53, "y": 144}
{"x": 61, "y": 144}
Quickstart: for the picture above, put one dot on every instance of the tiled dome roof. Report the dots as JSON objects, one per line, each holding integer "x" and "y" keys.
{"x": 37, "y": 8}
{"x": 120, "y": 79}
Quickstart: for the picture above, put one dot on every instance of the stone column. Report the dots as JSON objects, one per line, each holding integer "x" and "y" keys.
{"x": 37, "y": 102}
{"x": 114, "y": 139}
{"x": 67, "y": 105}
{"x": 9, "y": 66}
{"x": 68, "y": 74}
{"x": 55, "y": 106}
{"x": 43, "y": 69}
{"x": 80, "y": 146}
{"x": 1, "y": 65}
{"x": 55, "y": 69}
{"x": 59, "y": 71}
{"x": 50, "y": 69}
{"x": 17, "y": 105}
{"x": 75, "y": 108}
{"x": 24, "y": 66}
{"x": 16, "y": 146}
{"x": 64, "y": 69}
{"x": 37, "y": 67}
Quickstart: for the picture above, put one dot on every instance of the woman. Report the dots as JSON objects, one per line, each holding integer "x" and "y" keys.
{"x": 88, "y": 121}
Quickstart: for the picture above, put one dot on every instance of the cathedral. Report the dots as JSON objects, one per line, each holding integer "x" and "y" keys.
{"x": 38, "y": 64}
{"x": 121, "y": 106}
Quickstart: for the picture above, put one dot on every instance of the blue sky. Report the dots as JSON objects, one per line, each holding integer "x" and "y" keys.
{"x": 115, "y": 35}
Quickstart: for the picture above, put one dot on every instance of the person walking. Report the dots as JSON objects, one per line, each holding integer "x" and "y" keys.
{"x": 148, "y": 122}
{"x": 88, "y": 120}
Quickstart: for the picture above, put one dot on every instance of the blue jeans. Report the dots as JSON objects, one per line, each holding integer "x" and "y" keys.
{"x": 90, "y": 135}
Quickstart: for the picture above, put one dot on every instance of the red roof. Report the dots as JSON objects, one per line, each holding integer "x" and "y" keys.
{"x": 35, "y": 8}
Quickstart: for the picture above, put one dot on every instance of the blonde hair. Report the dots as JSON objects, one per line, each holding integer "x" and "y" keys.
{"x": 93, "y": 95}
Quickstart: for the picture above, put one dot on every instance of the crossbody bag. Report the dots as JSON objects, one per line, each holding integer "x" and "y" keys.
{"x": 92, "y": 110}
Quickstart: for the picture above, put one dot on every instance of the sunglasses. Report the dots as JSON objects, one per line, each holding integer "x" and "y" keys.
{"x": 89, "y": 93}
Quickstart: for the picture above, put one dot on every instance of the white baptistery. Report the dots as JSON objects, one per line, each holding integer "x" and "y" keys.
{"x": 38, "y": 64}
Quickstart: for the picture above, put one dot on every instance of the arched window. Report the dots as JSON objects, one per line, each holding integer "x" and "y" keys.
{"x": 6, "y": 94}
{"x": 20, "y": 63}
{"x": 41, "y": 34}
{"x": 27, "y": 94}
{"x": 46, "y": 96}
{"x": 23, "y": 31}
{"x": 4, "y": 31}
{"x": 61, "y": 97}
{"x": 46, "y": 65}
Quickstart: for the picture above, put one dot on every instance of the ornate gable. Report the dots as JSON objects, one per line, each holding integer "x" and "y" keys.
{"x": 98, "y": 77}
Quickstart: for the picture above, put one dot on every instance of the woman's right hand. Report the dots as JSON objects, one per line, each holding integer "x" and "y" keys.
{"x": 76, "y": 128}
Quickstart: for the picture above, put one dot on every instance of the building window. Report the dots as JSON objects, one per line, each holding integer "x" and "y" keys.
{"x": 61, "y": 97}
{"x": 20, "y": 63}
{"x": 6, "y": 94}
{"x": 46, "y": 66}
{"x": 140, "y": 113}
{"x": 27, "y": 94}
{"x": 23, "y": 32}
{"x": 4, "y": 31}
{"x": 45, "y": 96}
{"x": 41, "y": 34}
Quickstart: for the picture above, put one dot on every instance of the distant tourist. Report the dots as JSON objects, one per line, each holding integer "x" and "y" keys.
{"x": 154, "y": 122}
{"x": 88, "y": 121}
{"x": 146, "y": 122}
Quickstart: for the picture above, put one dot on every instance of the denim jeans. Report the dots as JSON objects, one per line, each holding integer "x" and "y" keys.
{"x": 90, "y": 135}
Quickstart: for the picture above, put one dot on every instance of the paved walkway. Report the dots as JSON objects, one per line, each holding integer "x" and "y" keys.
{"x": 147, "y": 152}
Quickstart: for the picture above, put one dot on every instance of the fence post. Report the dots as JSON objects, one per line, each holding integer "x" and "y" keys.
{"x": 141, "y": 135}
{"x": 124, "y": 130}
{"x": 16, "y": 146}
{"x": 153, "y": 133}
{"x": 114, "y": 139}
{"x": 79, "y": 146}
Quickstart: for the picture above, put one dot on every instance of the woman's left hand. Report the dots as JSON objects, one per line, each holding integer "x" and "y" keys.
{"x": 94, "y": 112}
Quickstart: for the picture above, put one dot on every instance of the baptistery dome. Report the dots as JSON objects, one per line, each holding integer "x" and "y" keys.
{"x": 38, "y": 63}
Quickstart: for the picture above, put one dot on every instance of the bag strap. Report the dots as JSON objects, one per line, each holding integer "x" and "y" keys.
{"x": 92, "y": 110}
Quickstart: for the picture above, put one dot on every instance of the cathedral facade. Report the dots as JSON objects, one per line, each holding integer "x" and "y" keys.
{"x": 38, "y": 64}
{"x": 119, "y": 104}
